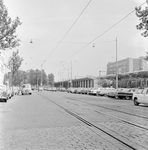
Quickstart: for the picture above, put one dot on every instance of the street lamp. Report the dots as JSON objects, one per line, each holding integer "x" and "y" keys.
{"x": 116, "y": 63}
{"x": 41, "y": 68}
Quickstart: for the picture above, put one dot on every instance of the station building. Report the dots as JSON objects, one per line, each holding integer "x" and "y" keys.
{"x": 81, "y": 82}
{"x": 125, "y": 66}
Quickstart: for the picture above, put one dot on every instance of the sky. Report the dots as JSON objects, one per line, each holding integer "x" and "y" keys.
{"x": 63, "y": 43}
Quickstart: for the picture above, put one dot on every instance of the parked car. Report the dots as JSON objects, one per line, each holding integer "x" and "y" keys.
{"x": 109, "y": 92}
{"x": 112, "y": 93}
{"x": 140, "y": 97}
{"x": 85, "y": 90}
{"x": 78, "y": 90}
{"x": 3, "y": 93}
{"x": 88, "y": 90}
{"x": 10, "y": 92}
{"x": 62, "y": 89}
{"x": 98, "y": 91}
{"x": 126, "y": 93}
{"x": 115, "y": 93}
{"x": 103, "y": 91}
{"x": 40, "y": 88}
{"x": 93, "y": 91}
{"x": 26, "y": 89}
{"x": 53, "y": 89}
{"x": 71, "y": 90}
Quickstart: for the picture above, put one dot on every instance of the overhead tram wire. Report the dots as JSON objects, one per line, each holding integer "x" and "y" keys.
{"x": 65, "y": 42}
{"x": 100, "y": 35}
{"x": 87, "y": 44}
{"x": 67, "y": 32}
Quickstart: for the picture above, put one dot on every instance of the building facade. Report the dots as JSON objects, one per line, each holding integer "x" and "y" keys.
{"x": 2, "y": 67}
{"x": 127, "y": 65}
{"x": 87, "y": 82}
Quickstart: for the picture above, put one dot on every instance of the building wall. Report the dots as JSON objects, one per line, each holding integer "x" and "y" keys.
{"x": 127, "y": 65}
{"x": 82, "y": 82}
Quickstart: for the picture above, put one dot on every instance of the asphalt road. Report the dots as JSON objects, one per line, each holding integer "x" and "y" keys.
{"x": 48, "y": 121}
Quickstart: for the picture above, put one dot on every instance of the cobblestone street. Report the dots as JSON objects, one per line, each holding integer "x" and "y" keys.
{"x": 58, "y": 138}
{"x": 35, "y": 123}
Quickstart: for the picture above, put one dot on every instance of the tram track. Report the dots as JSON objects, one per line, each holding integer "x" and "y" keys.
{"x": 136, "y": 115}
{"x": 121, "y": 119}
{"x": 126, "y": 143}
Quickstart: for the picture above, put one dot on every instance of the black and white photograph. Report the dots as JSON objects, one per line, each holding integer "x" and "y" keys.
{"x": 73, "y": 74}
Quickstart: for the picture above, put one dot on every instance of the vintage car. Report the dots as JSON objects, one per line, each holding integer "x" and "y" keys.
{"x": 104, "y": 91}
{"x": 26, "y": 89}
{"x": 140, "y": 97}
{"x": 126, "y": 93}
{"x": 3, "y": 93}
{"x": 94, "y": 90}
{"x": 85, "y": 90}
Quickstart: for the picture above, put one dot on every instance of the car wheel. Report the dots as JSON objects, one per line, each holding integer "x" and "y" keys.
{"x": 135, "y": 102}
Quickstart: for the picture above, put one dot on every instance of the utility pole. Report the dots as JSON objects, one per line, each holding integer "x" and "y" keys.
{"x": 116, "y": 66}
{"x": 71, "y": 73}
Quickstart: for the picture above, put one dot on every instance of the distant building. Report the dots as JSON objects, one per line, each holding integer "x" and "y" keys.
{"x": 2, "y": 67}
{"x": 87, "y": 82}
{"x": 127, "y": 65}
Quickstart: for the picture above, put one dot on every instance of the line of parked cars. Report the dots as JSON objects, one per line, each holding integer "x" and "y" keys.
{"x": 7, "y": 92}
{"x": 139, "y": 96}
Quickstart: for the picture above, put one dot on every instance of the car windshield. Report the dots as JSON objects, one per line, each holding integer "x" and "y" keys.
{"x": 139, "y": 91}
{"x": 126, "y": 90}
{"x": 26, "y": 86}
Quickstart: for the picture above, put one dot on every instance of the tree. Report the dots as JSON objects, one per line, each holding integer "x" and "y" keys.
{"x": 19, "y": 78}
{"x": 51, "y": 80}
{"x": 44, "y": 78}
{"x": 14, "y": 63}
{"x": 8, "y": 38}
{"x": 34, "y": 77}
{"x": 143, "y": 17}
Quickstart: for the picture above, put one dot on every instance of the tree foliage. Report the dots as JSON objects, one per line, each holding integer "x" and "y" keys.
{"x": 15, "y": 62}
{"x": 130, "y": 80}
{"x": 8, "y": 38}
{"x": 51, "y": 80}
{"x": 34, "y": 77}
{"x": 143, "y": 17}
{"x": 23, "y": 77}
